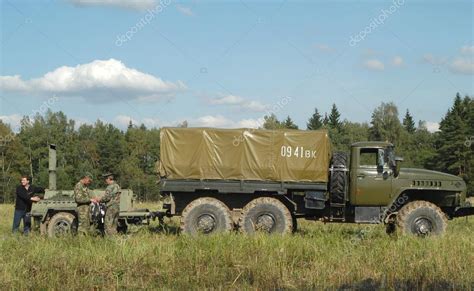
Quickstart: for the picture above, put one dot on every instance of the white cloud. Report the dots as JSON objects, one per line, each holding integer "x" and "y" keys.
{"x": 126, "y": 4}
{"x": 462, "y": 66}
{"x": 82, "y": 121}
{"x": 325, "y": 48}
{"x": 227, "y": 100}
{"x": 14, "y": 120}
{"x": 123, "y": 121}
{"x": 431, "y": 59}
{"x": 151, "y": 122}
{"x": 239, "y": 102}
{"x": 369, "y": 53}
{"x": 185, "y": 10}
{"x": 221, "y": 121}
{"x": 98, "y": 81}
{"x": 212, "y": 121}
{"x": 397, "y": 61}
{"x": 432, "y": 126}
{"x": 374, "y": 65}
{"x": 251, "y": 123}
{"x": 467, "y": 49}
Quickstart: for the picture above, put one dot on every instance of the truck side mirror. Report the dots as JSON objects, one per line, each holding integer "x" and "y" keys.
{"x": 396, "y": 170}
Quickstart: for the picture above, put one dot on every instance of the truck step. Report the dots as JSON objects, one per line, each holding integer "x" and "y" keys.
{"x": 337, "y": 212}
{"x": 338, "y": 205}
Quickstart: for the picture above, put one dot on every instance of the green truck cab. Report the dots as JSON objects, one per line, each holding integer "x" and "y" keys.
{"x": 366, "y": 186}
{"x": 375, "y": 179}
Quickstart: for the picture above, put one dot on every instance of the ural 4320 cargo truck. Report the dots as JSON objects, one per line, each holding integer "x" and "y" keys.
{"x": 263, "y": 180}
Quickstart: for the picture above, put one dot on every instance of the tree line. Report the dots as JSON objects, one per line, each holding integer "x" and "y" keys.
{"x": 132, "y": 153}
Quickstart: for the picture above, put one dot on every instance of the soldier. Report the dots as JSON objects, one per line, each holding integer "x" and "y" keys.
{"x": 112, "y": 200}
{"x": 83, "y": 198}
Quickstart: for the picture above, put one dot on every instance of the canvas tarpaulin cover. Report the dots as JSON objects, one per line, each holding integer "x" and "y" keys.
{"x": 244, "y": 154}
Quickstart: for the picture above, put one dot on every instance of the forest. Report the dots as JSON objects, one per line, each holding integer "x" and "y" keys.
{"x": 131, "y": 154}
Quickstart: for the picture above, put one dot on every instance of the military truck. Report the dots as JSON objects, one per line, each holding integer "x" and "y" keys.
{"x": 56, "y": 214}
{"x": 219, "y": 180}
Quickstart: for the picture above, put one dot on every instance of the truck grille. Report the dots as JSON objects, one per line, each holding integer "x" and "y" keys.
{"x": 426, "y": 183}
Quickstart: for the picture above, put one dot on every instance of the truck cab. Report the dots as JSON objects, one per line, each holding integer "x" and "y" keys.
{"x": 372, "y": 171}
{"x": 379, "y": 189}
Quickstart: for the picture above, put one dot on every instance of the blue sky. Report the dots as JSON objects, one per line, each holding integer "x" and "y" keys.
{"x": 229, "y": 63}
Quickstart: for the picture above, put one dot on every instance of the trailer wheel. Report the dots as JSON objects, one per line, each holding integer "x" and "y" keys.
{"x": 122, "y": 226}
{"x": 62, "y": 224}
{"x": 421, "y": 218}
{"x": 267, "y": 215}
{"x": 338, "y": 181}
{"x": 206, "y": 216}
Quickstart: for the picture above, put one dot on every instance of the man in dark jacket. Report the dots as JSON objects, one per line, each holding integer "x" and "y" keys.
{"x": 26, "y": 194}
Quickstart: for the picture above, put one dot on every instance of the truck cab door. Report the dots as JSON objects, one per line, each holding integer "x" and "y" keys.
{"x": 371, "y": 178}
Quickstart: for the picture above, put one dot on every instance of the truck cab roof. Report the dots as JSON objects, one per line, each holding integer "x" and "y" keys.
{"x": 372, "y": 144}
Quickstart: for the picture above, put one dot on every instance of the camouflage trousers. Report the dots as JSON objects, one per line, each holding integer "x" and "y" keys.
{"x": 84, "y": 219}
{"x": 111, "y": 219}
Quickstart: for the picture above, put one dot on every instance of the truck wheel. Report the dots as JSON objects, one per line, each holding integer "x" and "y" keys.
{"x": 266, "y": 214}
{"x": 421, "y": 218}
{"x": 337, "y": 183}
{"x": 61, "y": 224}
{"x": 206, "y": 215}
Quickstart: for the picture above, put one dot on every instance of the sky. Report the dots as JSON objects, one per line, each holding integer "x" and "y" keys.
{"x": 230, "y": 63}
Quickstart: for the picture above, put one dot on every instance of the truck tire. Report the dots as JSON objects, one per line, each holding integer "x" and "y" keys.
{"x": 62, "y": 224}
{"x": 267, "y": 215}
{"x": 206, "y": 216}
{"x": 337, "y": 183}
{"x": 421, "y": 218}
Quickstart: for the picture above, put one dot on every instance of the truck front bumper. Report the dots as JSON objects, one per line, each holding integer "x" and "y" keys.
{"x": 466, "y": 210}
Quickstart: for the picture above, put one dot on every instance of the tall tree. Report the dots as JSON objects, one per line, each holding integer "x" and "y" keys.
{"x": 13, "y": 162}
{"x": 288, "y": 123}
{"x": 453, "y": 146}
{"x": 385, "y": 123}
{"x": 325, "y": 119}
{"x": 409, "y": 123}
{"x": 334, "y": 117}
{"x": 271, "y": 122}
{"x": 315, "y": 121}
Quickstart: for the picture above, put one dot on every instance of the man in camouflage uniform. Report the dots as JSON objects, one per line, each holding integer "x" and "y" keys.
{"x": 112, "y": 200}
{"x": 83, "y": 198}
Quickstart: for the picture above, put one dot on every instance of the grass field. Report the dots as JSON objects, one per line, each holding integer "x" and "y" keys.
{"x": 318, "y": 256}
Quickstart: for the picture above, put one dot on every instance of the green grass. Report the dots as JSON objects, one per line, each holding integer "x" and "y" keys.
{"x": 318, "y": 256}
